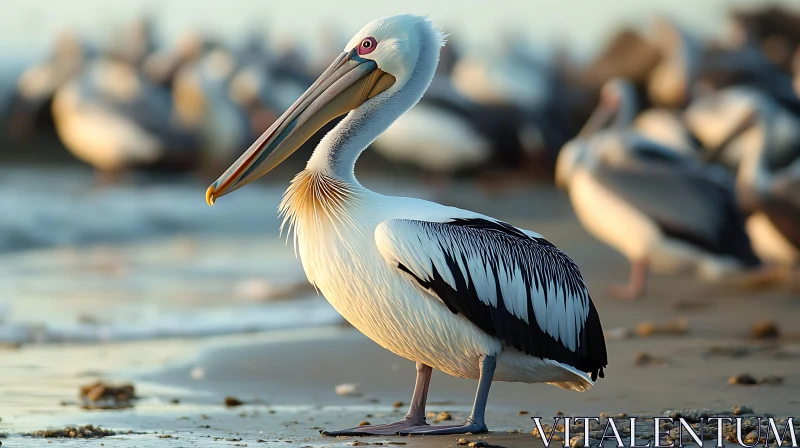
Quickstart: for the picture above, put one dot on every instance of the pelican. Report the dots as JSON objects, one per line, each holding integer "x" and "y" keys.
{"x": 112, "y": 119}
{"x": 663, "y": 216}
{"x": 450, "y": 289}
{"x": 625, "y": 138}
{"x": 661, "y": 125}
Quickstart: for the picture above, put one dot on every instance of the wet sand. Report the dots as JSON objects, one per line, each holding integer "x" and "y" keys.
{"x": 287, "y": 378}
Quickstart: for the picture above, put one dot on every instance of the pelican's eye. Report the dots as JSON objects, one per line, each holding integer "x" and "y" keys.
{"x": 367, "y": 46}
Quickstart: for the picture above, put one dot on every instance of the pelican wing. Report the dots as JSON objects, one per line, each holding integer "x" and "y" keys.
{"x": 686, "y": 204}
{"x": 513, "y": 284}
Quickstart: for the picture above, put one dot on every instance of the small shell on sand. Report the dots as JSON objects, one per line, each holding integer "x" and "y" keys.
{"x": 232, "y": 402}
{"x": 462, "y": 441}
{"x": 674, "y": 327}
{"x": 398, "y": 404}
{"x": 741, "y": 410}
{"x": 364, "y": 423}
{"x": 478, "y": 444}
{"x": 523, "y": 412}
{"x": 347, "y": 390}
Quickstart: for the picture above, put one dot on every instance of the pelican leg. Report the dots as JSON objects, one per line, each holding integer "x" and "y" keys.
{"x": 636, "y": 284}
{"x": 475, "y": 422}
{"x": 414, "y": 418}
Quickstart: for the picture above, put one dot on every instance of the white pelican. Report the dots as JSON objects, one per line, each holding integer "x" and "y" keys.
{"x": 450, "y": 289}
{"x": 659, "y": 208}
{"x": 112, "y": 119}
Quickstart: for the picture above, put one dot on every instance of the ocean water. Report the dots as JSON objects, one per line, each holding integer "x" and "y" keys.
{"x": 146, "y": 260}
{"x": 62, "y": 206}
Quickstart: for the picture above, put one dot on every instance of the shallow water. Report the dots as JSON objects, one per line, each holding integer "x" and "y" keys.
{"x": 169, "y": 288}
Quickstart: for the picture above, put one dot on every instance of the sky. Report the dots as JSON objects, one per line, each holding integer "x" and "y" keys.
{"x": 28, "y": 27}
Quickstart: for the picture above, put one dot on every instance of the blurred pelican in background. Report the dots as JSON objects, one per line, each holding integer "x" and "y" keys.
{"x": 31, "y": 109}
{"x": 624, "y": 137}
{"x": 112, "y": 119}
{"x": 661, "y": 209}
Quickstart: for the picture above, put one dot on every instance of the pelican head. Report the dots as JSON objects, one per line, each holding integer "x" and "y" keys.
{"x": 376, "y": 63}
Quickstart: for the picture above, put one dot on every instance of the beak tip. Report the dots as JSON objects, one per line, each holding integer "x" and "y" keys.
{"x": 210, "y": 199}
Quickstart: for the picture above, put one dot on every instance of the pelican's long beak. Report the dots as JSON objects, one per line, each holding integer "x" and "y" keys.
{"x": 345, "y": 85}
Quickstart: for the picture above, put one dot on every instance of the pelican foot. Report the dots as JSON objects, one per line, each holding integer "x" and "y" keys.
{"x": 468, "y": 427}
{"x": 388, "y": 429}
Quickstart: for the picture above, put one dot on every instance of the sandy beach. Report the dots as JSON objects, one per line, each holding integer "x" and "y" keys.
{"x": 286, "y": 377}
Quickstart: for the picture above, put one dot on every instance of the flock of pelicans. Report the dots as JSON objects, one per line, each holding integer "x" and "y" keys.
{"x": 691, "y": 158}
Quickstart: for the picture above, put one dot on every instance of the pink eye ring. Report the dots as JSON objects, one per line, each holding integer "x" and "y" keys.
{"x": 367, "y": 46}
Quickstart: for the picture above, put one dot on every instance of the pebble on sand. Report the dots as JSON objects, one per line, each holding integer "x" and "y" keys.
{"x": 232, "y": 402}
{"x": 442, "y": 416}
{"x": 523, "y": 412}
{"x": 347, "y": 390}
{"x": 765, "y": 329}
{"x": 462, "y": 441}
{"x": 741, "y": 410}
{"x": 398, "y": 404}
{"x": 364, "y": 423}
{"x": 478, "y": 444}
{"x": 100, "y": 395}
{"x": 746, "y": 379}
